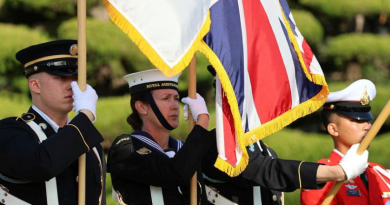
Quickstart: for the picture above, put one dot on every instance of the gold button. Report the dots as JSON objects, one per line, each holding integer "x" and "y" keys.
{"x": 328, "y": 160}
{"x": 274, "y": 197}
{"x": 77, "y": 179}
{"x": 35, "y": 68}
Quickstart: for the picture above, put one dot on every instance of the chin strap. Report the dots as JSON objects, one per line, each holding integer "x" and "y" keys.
{"x": 157, "y": 112}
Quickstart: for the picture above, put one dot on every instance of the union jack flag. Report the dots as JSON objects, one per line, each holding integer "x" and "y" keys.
{"x": 267, "y": 75}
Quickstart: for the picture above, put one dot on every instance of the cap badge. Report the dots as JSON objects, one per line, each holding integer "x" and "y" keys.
{"x": 365, "y": 99}
{"x": 144, "y": 151}
{"x": 73, "y": 50}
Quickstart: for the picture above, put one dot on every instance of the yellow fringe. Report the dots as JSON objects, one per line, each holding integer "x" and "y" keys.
{"x": 229, "y": 93}
{"x": 265, "y": 129}
{"x": 317, "y": 79}
{"x": 287, "y": 118}
{"x": 147, "y": 50}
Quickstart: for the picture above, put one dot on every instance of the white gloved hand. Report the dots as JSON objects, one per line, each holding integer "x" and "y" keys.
{"x": 84, "y": 100}
{"x": 197, "y": 106}
{"x": 354, "y": 164}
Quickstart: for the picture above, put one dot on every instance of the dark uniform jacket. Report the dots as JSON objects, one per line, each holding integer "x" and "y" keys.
{"x": 137, "y": 164}
{"x": 30, "y": 163}
{"x": 272, "y": 174}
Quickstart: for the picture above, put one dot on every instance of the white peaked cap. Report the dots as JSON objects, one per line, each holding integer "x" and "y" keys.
{"x": 354, "y": 92}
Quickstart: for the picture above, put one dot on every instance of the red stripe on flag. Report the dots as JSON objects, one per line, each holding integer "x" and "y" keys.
{"x": 229, "y": 132}
{"x": 269, "y": 80}
{"x": 308, "y": 54}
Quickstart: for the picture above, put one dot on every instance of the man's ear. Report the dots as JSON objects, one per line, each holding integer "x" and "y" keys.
{"x": 34, "y": 85}
{"x": 141, "y": 107}
{"x": 332, "y": 129}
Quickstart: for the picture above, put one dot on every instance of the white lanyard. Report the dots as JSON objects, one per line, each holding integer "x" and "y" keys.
{"x": 51, "y": 185}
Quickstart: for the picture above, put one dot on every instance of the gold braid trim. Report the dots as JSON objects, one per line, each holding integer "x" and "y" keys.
{"x": 299, "y": 175}
{"x": 82, "y": 137}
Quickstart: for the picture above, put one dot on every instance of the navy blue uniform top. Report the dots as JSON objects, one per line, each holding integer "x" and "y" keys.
{"x": 269, "y": 172}
{"x": 135, "y": 165}
{"x": 23, "y": 158}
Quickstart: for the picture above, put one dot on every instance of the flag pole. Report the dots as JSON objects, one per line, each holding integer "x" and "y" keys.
{"x": 363, "y": 146}
{"x": 192, "y": 94}
{"x": 82, "y": 81}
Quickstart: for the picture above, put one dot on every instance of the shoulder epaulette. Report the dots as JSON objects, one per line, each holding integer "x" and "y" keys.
{"x": 26, "y": 117}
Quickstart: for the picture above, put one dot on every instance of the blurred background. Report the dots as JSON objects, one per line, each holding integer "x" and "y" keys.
{"x": 350, "y": 38}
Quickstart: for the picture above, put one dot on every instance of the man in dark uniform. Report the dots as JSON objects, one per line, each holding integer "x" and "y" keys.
{"x": 346, "y": 116}
{"x": 39, "y": 149}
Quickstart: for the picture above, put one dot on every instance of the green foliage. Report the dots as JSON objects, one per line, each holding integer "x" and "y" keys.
{"x": 348, "y": 8}
{"x": 365, "y": 49}
{"x": 309, "y": 26}
{"x": 107, "y": 47}
{"x": 15, "y": 39}
{"x": 50, "y": 9}
{"x": 361, "y": 47}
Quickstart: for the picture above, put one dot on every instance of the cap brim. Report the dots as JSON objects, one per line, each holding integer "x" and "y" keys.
{"x": 69, "y": 71}
{"x": 361, "y": 116}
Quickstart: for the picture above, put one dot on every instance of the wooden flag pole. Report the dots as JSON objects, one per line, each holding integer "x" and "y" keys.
{"x": 363, "y": 146}
{"x": 192, "y": 94}
{"x": 82, "y": 81}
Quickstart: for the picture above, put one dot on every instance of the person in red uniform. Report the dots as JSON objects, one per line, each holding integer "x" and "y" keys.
{"x": 346, "y": 116}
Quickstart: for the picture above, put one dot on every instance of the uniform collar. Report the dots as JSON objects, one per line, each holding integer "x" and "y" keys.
{"x": 174, "y": 144}
{"x": 47, "y": 118}
{"x": 335, "y": 156}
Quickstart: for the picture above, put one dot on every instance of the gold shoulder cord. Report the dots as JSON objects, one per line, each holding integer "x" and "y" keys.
{"x": 82, "y": 137}
{"x": 22, "y": 115}
{"x": 299, "y": 175}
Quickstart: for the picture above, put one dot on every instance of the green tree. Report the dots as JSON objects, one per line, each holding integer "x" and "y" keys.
{"x": 309, "y": 26}
{"x": 15, "y": 38}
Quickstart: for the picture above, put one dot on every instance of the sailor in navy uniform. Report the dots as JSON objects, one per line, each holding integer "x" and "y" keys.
{"x": 149, "y": 166}
{"x": 266, "y": 175}
{"x": 39, "y": 149}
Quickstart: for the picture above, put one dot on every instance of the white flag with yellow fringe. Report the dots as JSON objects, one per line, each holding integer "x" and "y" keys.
{"x": 181, "y": 26}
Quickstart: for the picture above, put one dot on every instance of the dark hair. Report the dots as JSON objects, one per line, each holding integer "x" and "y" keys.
{"x": 133, "y": 119}
{"x": 325, "y": 116}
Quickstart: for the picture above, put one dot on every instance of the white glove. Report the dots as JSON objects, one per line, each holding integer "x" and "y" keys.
{"x": 84, "y": 100}
{"x": 197, "y": 106}
{"x": 354, "y": 164}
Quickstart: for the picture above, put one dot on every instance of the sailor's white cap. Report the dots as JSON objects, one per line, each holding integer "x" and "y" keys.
{"x": 150, "y": 80}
